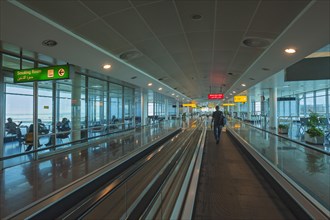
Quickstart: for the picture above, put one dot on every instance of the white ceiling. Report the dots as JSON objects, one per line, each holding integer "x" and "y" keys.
{"x": 175, "y": 52}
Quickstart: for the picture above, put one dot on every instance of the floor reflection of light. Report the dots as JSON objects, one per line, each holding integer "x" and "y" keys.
{"x": 237, "y": 125}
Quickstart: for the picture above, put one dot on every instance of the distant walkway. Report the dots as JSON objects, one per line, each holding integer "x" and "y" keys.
{"x": 230, "y": 188}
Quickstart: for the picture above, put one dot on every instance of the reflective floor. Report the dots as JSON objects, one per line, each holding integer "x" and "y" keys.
{"x": 306, "y": 167}
{"x": 23, "y": 184}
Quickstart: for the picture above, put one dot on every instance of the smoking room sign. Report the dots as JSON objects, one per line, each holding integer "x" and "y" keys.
{"x": 42, "y": 74}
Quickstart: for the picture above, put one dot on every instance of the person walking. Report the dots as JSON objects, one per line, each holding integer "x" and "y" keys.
{"x": 218, "y": 123}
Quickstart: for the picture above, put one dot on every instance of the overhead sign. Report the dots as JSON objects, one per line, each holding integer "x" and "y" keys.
{"x": 228, "y": 104}
{"x": 216, "y": 96}
{"x": 211, "y": 105}
{"x": 286, "y": 98}
{"x": 42, "y": 74}
{"x": 240, "y": 98}
{"x": 189, "y": 105}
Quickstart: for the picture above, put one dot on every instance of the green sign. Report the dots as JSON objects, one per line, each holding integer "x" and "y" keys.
{"x": 42, "y": 74}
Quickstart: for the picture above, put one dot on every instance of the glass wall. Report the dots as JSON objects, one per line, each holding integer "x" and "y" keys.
{"x": 315, "y": 101}
{"x": 70, "y": 111}
{"x": 116, "y": 103}
{"x": 138, "y": 107}
{"x": 287, "y": 108}
{"x": 128, "y": 107}
{"x": 67, "y": 110}
{"x": 97, "y": 102}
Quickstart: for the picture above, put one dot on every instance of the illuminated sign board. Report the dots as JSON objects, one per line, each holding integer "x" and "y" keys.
{"x": 240, "y": 98}
{"x": 42, "y": 74}
{"x": 189, "y": 105}
{"x": 216, "y": 96}
{"x": 211, "y": 105}
{"x": 228, "y": 104}
{"x": 286, "y": 98}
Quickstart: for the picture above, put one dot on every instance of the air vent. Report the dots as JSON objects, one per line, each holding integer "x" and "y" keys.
{"x": 196, "y": 17}
{"x": 256, "y": 42}
{"x": 129, "y": 55}
{"x": 162, "y": 78}
{"x": 49, "y": 43}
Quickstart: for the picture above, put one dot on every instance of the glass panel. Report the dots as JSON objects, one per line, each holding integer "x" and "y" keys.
{"x": 45, "y": 112}
{"x": 63, "y": 108}
{"x": 309, "y": 103}
{"x": 97, "y": 106}
{"x": 128, "y": 106}
{"x": 320, "y": 93}
{"x": 172, "y": 108}
{"x": 320, "y": 107}
{"x": 150, "y": 103}
{"x": 14, "y": 62}
{"x": 138, "y": 114}
{"x": 302, "y": 112}
{"x": 309, "y": 94}
{"x": 19, "y": 115}
{"x": 116, "y": 100}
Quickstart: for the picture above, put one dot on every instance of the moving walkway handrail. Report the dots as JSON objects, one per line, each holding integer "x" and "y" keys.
{"x": 168, "y": 202}
{"x": 136, "y": 206}
{"x": 61, "y": 201}
{"x": 185, "y": 204}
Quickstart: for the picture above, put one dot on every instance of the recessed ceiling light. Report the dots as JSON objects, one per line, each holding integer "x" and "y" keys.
{"x": 107, "y": 66}
{"x": 234, "y": 91}
{"x": 290, "y": 50}
{"x": 243, "y": 84}
{"x": 160, "y": 88}
{"x": 173, "y": 94}
{"x": 149, "y": 84}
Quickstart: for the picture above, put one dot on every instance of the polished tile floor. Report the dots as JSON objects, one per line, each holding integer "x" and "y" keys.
{"x": 301, "y": 163}
{"x": 24, "y": 184}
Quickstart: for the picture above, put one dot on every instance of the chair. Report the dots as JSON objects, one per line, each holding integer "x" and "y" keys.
{"x": 23, "y": 132}
{"x": 63, "y": 135}
{"x": 323, "y": 123}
